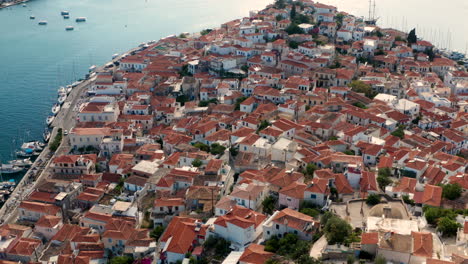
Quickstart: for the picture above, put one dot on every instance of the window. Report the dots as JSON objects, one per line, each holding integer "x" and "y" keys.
{"x": 277, "y": 226}
{"x": 313, "y": 196}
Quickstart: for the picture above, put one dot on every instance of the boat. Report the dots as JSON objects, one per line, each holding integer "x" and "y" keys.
{"x": 75, "y": 84}
{"x": 69, "y": 28}
{"x": 69, "y": 88}
{"x": 34, "y": 145}
{"x": 65, "y": 13}
{"x": 46, "y": 135}
{"x": 55, "y": 109}
{"x": 80, "y": 19}
{"x": 24, "y": 154}
{"x": 42, "y": 22}
{"x": 32, "y": 17}
{"x": 66, "y": 16}
{"x": 62, "y": 98}
{"x": 10, "y": 169}
{"x": 115, "y": 55}
{"x": 92, "y": 68}
{"x": 61, "y": 90}
{"x": 24, "y": 5}
{"x": 49, "y": 120}
{"x": 21, "y": 162}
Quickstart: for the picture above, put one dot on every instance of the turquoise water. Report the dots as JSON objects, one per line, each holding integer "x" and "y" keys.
{"x": 35, "y": 60}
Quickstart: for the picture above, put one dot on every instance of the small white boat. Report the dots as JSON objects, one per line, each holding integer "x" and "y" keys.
{"x": 46, "y": 135}
{"x": 62, "y": 98}
{"x": 75, "y": 84}
{"x": 115, "y": 55}
{"x": 92, "y": 68}
{"x": 32, "y": 17}
{"x": 49, "y": 120}
{"x": 69, "y": 88}
{"x": 24, "y": 5}
{"x": 69, "y": 28}
{"x": 55, "y": 109}
{"x": 80, "y": 19}
{"x": 21, "y": 162}
{"x": 10, "y": 169}
{"x": 61, "y": 90}
{"x": 42, "y": 22}
{"x": 32, "y": 145}
{"x": 66, "y": 16}
{"x": 65, "y": 13}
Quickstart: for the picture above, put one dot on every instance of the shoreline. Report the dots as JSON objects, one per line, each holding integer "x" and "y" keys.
{"x": 38, "y": 170}
{"x": 13, "y": 3}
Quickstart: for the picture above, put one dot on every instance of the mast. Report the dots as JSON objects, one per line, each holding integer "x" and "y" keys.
{"x": 373, "y": 12}
{"x": 370, "y": 6}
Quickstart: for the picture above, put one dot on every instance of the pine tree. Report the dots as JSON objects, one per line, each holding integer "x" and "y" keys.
{"x": 412, "y": 38}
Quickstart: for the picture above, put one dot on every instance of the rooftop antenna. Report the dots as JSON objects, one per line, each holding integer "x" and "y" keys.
{"x": 370, "y": 4}
{"x": 373, "y": 15}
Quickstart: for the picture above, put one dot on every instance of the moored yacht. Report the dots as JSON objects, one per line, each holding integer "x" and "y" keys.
{"x": 69, "y": 28}
{"x": 62, "y": 98}
{"x": 10, "y": 169}
{"x": 80, "y": 19}
{"x": 42, "y": 22}
{"x": 65, "y": 13}
{"x": 32, "y": 17}
{"x": 61, "y": 90}
{"x": 66, "y": 16}
{"x": 21, "y": 162}
{"x": 55, "y": 109}
{"x": 49, "y": 120}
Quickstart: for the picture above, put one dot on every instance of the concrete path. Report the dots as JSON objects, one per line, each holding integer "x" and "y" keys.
{"x": 317, "y": 248}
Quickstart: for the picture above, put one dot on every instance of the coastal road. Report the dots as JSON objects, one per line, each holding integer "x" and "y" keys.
{"x": 40, "y": 170}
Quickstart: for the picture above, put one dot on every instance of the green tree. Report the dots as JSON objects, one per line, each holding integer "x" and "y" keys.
{"x": 407, "y": 200}
{"x": 182, "y": 99}
{"x": 279, "y": 18}
{"x": 280, "y": 4}
{"x": 447, "y": 226}
{"x": 339, "y": 19}
{"x": 202, "y": 146}
{"x": 264, "y": 124}
{"x": 121, "y": 260}
{"x": 239, "y": 101}
{"x": 350, "y": 259}
{"x": 293, "y": 29}
{"x": 337, "y": 230}
{"x": 385, "y": 172}
{"x": 157, "y": 232}
{"x": 451, "y": 191}
{"x": 293, "y": 12}
{"x": 361, "y": 87}
{"x": 383, "y": 177}
{"x": 412, "y": 37}
{"x": 373, "y": 199}
{"x": 196, "y": 163}
{"x": 325, "y": 217}
{"x": 380, "y": 260}
{"x": 360, "y": 105}
{"x": 217, "y": 149}
{"x": 206, "y": 31}
{"x": 310, "y": 169}
{"x": 268, "y": 204}
{"x": 399, "y": 132}
{"x": 293, "y": 44}
{"x": 310, "y": 212}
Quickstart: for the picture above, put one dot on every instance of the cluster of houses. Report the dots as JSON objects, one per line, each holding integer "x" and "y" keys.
{"x": 194, "y": 132}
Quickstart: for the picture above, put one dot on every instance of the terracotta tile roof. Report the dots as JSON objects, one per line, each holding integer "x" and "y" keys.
{"x": 49, "y": 221}
{"x": 182, "y": 232}
{"x": 24, "y": 247}
{"x": 422, "y": 244}
{"x": 165, "y": 201}
{"x": 406, "y": 185}
{"x": 342, "y": 184}
{"x": 40, "y": 207}
{"x": 255, "y": 254}
{"x": 432, "y": 195}
{"x": 69, "y": 232}
{"x": 294, "y": 190}
{"x": 368, "y": 181}
{"x": 370, "y": 238}
{"x": 296, "y": 220}
{"x": 241, "y": 217}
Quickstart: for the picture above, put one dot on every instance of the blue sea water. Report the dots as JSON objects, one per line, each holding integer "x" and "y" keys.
{"x": 35, "y": 60}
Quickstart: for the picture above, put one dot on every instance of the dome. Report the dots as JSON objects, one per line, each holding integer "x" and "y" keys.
{"x": 389, "y": 210}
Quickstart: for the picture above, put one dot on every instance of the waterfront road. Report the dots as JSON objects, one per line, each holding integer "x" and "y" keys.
{"x": 40, "y": 170}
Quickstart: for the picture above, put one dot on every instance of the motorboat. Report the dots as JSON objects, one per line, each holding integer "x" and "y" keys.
{"x": 55, "y": 109}
{"x": 80, "y": 19}
{"x": 69, "y": 28}
{"x": 46, "y": 135}
{"x": 32, "y": 17}
{"x": 34, "y": 145}
{"x": 65, "y": 13}
{"x": 10, "y": 169}
{"x": 49, "y": 120}
{"x": 24, "y": 5}
{"x": 92, "y": 68}
{"x": 42, "y": 22}
{"x": 62, "y": 98}
{"x": 115, "y": 55}
{"x": 69, "y": 88}
{"x": 21, "y": 162}
{"x": 61, "y": 90}
{"x": 66, "y": 16}
{"x": 75, "y": 84}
